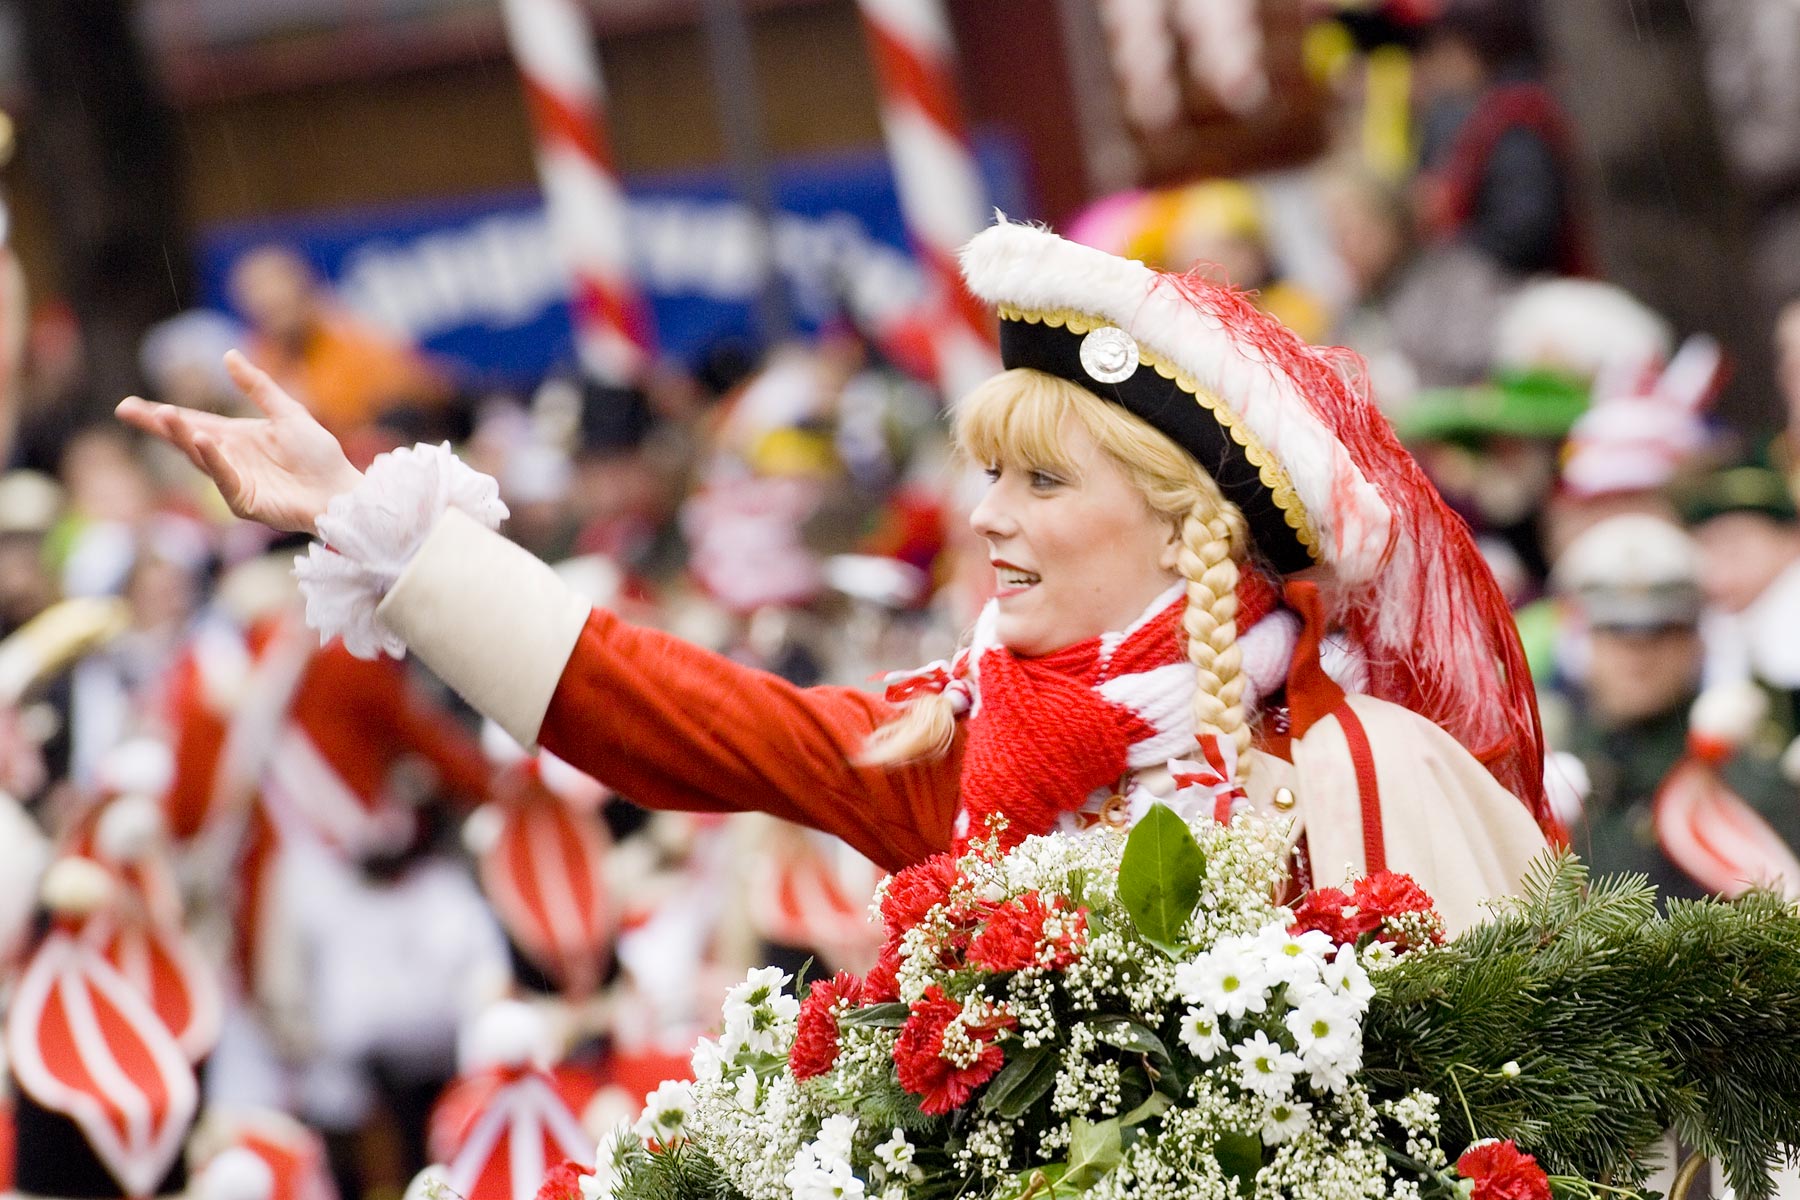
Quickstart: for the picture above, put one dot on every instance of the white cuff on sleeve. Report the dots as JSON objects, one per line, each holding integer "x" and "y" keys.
{"x": 372, "y": 531}
{"x": 489, "y": 619}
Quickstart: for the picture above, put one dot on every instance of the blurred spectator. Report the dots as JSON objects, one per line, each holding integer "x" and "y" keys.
{"x": 1422, "y": 317}
{"x": 50, "y": 388}
{"x": 1646, "y": 426}
{"x": 1645, "y": 429}
{"x": 38, "y": 734}
{"x": 113, "y": 689}
{"x": 1634, "y": 583}
{"x": 1218, "y": 228}
{"x": 1493, "y": 450}
{"x": 1787, "y": 367}
{"x": 346, "y": 371}
{"x": 1752, "y": 59}
{"x": 1744, "y": 519}
{"x": 29, "y": 506}
{"x": 1496, "y": 150}
{"x": 183, "y": 361}
{"x": 624, "y": 494}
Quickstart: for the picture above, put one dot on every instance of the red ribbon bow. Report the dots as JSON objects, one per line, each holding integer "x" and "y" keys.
{"x": 1215, "y": 776}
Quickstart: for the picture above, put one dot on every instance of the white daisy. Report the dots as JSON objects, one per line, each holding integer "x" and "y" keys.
{"x": 749, "y": 1090}
{"x": 600, "y": 1185}
{"x": 1377, "y": 956}
{"x": 837, "y": 1134}
{"x": 1267, "y": 1069}
{"x": 809, "y": 1179}
{"x": 1284, "y": 1120}
{"x": 755, "y": 1030}
{"x": 1325, "y": 1027}
{"x": 1346, "y": 977}
{"x": 708, "y": 1061}
{"x": 1333, "y": 1074}
{"x": 666, "y": 1112}
{"x": 761, "y": 986}
{"x": 1290, "y": 957}
{"x": 1201, "y": 1034}
{"x": 896, "y": 1154}
{"x": 1230, "y": 981}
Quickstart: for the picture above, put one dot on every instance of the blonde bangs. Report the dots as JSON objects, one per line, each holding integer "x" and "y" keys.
{"x": 1017, "y": 419}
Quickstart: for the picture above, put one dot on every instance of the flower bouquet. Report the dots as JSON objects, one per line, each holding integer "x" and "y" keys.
{"x": 1133, "y": 1015}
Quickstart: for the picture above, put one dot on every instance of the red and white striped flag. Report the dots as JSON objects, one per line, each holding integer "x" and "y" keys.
{"x": 942, "y": 196}
{"x": 554, "y": 49}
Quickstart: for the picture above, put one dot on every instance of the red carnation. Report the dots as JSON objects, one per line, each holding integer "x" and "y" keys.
{"x": 1014, "y": 934}
{"x": 915, "y": 891}
{"x": 883, "y": 982}
{"x": 1500, "y": 1171}
{"x": 1325, "y": 909}
{"x": 563, "y": 1182}
{"x": 1391, "y": 894}
{"x": 919, "y": 1057}
{"x": 816, "y": 1037}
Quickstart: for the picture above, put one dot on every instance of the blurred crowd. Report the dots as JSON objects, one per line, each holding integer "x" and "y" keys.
{"x": 360, "y": 866}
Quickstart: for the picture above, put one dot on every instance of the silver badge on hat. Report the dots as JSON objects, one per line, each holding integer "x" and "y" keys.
{"x": 1109, "y": 354}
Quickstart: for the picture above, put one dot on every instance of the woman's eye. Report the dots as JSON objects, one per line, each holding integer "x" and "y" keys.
{"x": 1044, "y": 481}
{"x": 992, "y": 473}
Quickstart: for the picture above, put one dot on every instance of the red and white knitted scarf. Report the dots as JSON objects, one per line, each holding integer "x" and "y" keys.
{"x": 1044, "y": 733}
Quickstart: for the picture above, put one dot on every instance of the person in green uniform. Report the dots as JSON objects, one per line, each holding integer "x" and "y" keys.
{"x": 1633, "y": 582}
{"x": 1745, "y": 522}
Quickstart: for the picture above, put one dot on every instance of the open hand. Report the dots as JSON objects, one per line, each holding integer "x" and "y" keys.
{"x": 281, "y": 468}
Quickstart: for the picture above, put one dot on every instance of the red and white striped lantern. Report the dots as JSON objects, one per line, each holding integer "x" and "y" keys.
{"x": 554, "y": 50}
{"x": 942, "y": 197}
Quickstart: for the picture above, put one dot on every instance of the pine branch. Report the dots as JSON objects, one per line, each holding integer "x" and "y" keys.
{"x": 1634, "y": 1023}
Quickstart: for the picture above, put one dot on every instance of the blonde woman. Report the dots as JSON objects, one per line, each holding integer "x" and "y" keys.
{"x": 1220, "y": 581}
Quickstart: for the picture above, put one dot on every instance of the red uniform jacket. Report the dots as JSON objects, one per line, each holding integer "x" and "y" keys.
{"x": 709, "y": 735}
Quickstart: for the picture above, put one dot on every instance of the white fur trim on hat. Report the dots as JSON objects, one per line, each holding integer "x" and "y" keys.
{"x": 1032, "y": 270}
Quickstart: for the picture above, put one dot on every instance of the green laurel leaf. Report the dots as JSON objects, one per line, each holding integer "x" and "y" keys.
{"x": 875, "y": 1016}
{"x": 1021, "y": 1082}
{"x": 1159, "y": 878}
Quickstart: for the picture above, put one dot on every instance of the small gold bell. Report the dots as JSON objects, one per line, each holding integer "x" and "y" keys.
{"x": 1284, "y": 798}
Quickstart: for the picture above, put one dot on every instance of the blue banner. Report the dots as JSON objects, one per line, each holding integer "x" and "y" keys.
{"x": 477, "y": 281}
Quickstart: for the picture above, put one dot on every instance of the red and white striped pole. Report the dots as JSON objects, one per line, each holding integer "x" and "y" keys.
{"x": 942, "y": 197}
{"x": 554, "y": 49}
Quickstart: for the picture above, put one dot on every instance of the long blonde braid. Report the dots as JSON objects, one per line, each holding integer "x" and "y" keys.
{"x": 1212, "y": 543}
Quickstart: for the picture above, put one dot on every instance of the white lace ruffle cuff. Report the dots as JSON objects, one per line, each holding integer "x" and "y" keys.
{"x": 372, "y": 531}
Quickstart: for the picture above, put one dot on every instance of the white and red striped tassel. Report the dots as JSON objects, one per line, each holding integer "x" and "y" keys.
{"x": 554, "y": 50}
{"x": 942, "y": 197}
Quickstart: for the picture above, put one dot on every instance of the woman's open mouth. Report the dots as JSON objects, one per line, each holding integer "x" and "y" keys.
{"x": 1013, "y": 580}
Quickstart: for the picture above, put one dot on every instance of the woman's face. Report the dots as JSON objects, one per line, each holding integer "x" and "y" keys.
{"x": 1074, "y": 558}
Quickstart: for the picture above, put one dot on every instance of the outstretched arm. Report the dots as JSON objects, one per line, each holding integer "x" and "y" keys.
{"x": 668, "y": 724}
{"x": 663, "y": 722}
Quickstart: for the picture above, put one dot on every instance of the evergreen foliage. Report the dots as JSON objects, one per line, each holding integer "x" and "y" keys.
{"x": 1622, "y": 1023}
{"x": 681, "y": 1172}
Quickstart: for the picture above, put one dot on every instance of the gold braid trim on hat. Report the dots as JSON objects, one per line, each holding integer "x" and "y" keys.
{"x": 1274, "y": 476}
